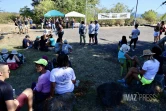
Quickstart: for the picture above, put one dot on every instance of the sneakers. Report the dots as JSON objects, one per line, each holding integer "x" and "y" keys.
{"x": 122, "y": 81}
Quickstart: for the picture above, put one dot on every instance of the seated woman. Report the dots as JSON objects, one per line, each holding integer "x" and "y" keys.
{"x": 36, "y": 44}
{"x": 43, "y": 46}
{"x": 66, "y": 48}
{"x": 122, "y": 54}
{"x": 123, "y": 41}
{"x": 144, "y": 75}
{"x": 4, "y": 55}
{"x": 12, "y": 60}
{"x": 51, "y": 41}
{"x": 63, "y": 77}
{"x": 41, "y": 89}
{"x": 58, "y": 45}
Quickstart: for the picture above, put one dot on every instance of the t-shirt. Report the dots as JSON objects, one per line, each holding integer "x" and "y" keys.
{"x": 43, "y": 84}
{"x": 63, "y": 78}
{"x": 6, "y": 93}
{"x": 92, "y": 29}
{"x": 135, "y": 33}
{"x": 25, "y": 41}
{"x": 160, "y": 59}
{"x": 151, "y": 67}
{"x": 52, "y": 42}
{"x": 121, "y": 54}
{"x": 82, "y": 29}
{"x": 65, "y": 48}
{"x": 57, "y": 47}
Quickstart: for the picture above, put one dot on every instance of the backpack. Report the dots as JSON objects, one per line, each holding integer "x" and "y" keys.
{"x": 82, "y": 30}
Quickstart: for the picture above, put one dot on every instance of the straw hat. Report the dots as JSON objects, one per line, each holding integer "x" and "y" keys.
{"x": 125, "y": 48}
{"x": 4, "y": 51}
{"x": 14, "y": 52}
{"x": 147, "y": 52}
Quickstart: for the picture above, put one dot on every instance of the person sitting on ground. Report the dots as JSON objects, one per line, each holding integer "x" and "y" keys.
{"x": 51, "y": 41}
{"x": 122, "y": 54}
{"x": 58, "y": 45}
{"x": 4, "y": 55}
{"x": 156, "y": 34}
{"x": 41, "y": 89}
{"x": 36, "y": 44}
{"x": 26, "y": 43}
{"x": 43, "y": 46}
{"x": 63, "y": 77}
{"x": 12, "y": 60}
{"x": 123, "y": 41}
{"x": 66, "y": 48}
{"x": 146, "y": 74}
{"x": 7, "y": 100}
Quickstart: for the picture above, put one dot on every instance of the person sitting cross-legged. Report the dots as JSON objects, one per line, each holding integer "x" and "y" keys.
{"x": 144, "y": 75}
{"x": 7, "y": 101}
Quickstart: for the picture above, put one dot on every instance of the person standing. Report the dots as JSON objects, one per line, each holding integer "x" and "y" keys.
{"x": 7, "y": 100}
{"x": 42, "y": 22}
{"x": 82, "y": 32}
{"x": 60, "y": 31}
{"x": 97, "y": 26}
{"x": 20, "y": 25}
{"x": 67, "y": 22}
{"x": 26, "y": 25}
{"x": 16, "y": 25}
{"x": 72, "y": 23}
{"x": 91, "y": 32}
{"x": 162, "y": 28}
{"x": 135, "y": 33}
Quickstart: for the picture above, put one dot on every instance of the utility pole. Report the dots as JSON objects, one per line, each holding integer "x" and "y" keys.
{"x": 135, "y": 13}
{"x": 86, "y": 12}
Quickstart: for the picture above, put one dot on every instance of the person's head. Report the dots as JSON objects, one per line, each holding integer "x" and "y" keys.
{"x": 38, "y": 38}
{"x": 27, "y": 36}
{"x": 50, "y": 35}
{"x": 82, "y": 22}
{"x": 41, "y": 65}
{"x": 96, "y": 21}
{"x": 136, "y": 26}
{"x": 124, "y": 39}
{"x": 62, "y": 60}
{"x": 4, "y": 51}
{"x": 162, "y": 22}
{"x": 125, "y": 48}
{"x": 4, "y": 71}
{"x": 65, "y": 42}
{"x": 91, "y": 22}
{"x": 14, "y": 52}
{"x": 10, "y": 56}
{"x": 157, "y": 50}
{"x": 147, "y": 54}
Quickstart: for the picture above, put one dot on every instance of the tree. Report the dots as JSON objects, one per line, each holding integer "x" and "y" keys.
{"x": 150, "y": 16}
{"x": 25, "y": 11}
{"x": 119, "y": 8}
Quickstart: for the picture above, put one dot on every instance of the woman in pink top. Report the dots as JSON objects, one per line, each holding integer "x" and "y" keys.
{"x": 42, "y": 87}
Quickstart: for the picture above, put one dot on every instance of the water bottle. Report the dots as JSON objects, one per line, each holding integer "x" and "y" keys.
{"x": 14, "y": 93}
{"x": 77, "y": 83}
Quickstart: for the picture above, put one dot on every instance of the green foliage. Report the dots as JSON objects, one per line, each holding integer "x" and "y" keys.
{"x": 150, "y": 16}
{"x": 25, "y": 11}
{"x": 7, "y": 17}
{"x": 163, "y": 17}
{"x": 119, "y": 8}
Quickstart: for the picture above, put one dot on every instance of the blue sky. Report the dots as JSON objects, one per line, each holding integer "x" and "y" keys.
{"x": 144, "y": 5}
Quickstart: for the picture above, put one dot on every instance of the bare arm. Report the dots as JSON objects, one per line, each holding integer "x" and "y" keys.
{"x": 52, "y": 90}
{"x": 11, "y": 105}
{"x": 17, "y": 59}
{"x": 128, "y": 57}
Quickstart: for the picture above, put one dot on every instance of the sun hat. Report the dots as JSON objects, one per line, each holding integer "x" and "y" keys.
{"x": 147, "y": 52}
{"x": 14, "y": 52}
{"x": 42, "y": 62}
{"x": 4, "y": 51}
{"x": 125, "y": 48}
{"x": 65, "y": 41}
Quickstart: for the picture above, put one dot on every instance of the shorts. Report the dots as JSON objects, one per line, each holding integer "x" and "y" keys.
{"x": 144, "y": 80}
{"x": 26, "y": 26}
{"x": 22, "y": 99}
{"x": 91, "y": 35}
{"x": 20, "y": 27}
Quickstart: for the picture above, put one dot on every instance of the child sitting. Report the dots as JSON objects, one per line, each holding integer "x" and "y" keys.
{"x": 51, "y": 41}
{"x": 4, "y": 55}
{"x": 36, "y": 44}
{"x": 123, "y": 41}
{"x": 66, "y": 48}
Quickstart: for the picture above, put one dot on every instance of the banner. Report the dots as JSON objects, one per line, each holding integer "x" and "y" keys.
{"x": 106, "y": 16}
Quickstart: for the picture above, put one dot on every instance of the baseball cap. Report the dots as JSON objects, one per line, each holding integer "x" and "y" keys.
{"x": 42, "y": 62}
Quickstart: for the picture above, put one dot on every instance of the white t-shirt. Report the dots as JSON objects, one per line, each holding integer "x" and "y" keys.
{"x": 151, "y": 67}
{"x": 63, "y": 78}
{"x": 65, "y": 48}
{"x": 135, "y": 33}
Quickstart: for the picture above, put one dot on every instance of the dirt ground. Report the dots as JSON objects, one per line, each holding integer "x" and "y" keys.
{"x": 93, "y": 65}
